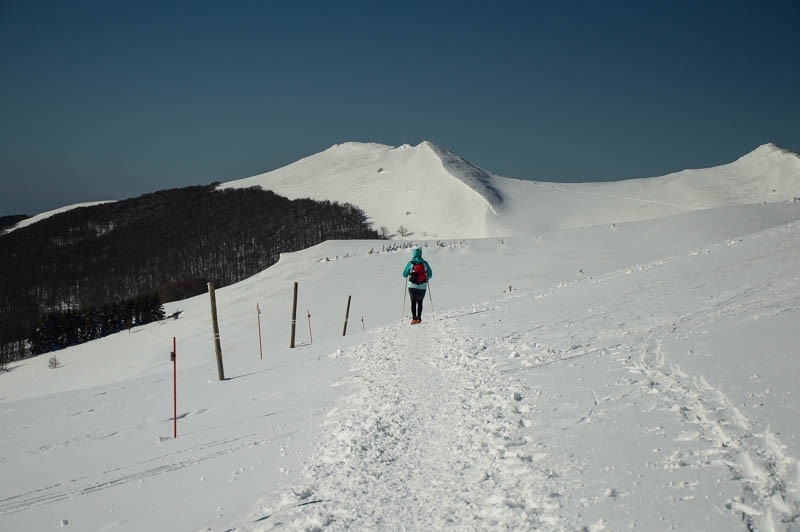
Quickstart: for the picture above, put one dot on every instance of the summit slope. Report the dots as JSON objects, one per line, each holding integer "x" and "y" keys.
{"x": 405, "y": 185}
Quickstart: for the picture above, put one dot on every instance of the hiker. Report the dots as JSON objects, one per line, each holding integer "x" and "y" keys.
{"x": 418, "y": 271}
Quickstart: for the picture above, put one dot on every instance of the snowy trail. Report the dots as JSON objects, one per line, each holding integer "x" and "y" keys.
{"x": 431, "y": 440}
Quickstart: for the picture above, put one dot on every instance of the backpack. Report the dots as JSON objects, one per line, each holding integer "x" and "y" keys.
{"x": 418, "y": 275}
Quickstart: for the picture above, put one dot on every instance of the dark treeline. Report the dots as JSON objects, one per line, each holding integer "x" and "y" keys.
{"x": 63, "y": 328}
{"x": 171, "y": 242}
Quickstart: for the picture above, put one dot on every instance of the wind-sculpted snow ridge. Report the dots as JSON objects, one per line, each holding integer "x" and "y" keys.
{"x": 430, "y": 441}
{"x": 473, "y": 176}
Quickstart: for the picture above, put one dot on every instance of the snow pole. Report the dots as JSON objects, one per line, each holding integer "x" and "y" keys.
{"x": 260, "y": 349}
{"x": 173, "y": 356}
{"x": 430, "y": 296}
{"x": 363, "y": 327}
{"x": 310, "y": 336}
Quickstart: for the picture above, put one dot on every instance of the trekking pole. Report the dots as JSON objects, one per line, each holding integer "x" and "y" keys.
{"x": 430, "y": 296}
{"x": 403, "y": 317}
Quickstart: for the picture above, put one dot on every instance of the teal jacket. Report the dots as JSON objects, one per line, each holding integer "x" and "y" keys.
{"x": 417, "y": 259}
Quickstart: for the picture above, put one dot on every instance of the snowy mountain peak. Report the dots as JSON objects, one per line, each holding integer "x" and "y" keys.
{"x": 429, "y": 191}
{"x": 770, "y": 151}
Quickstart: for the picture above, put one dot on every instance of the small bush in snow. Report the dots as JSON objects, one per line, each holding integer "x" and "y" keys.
{"x": 53, "y": 362}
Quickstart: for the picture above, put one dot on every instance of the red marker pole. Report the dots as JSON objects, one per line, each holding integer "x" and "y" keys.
{"x": 174, "y": 388}
{"x": 310, "y": 336}
{"x": 260, "y": 350}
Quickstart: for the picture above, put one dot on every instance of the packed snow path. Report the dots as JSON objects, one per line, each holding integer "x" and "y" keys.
{"x": 430, "y": 441}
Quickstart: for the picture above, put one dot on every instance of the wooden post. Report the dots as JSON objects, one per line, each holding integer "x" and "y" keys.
{"x": 294, "y": 316}
{"x": 260, "y": 349}
{"x": 346, "y": 316}
{"x": 310, "y": 336}
{"x": 215, "y": 325}
{"x": 174, "y": 356}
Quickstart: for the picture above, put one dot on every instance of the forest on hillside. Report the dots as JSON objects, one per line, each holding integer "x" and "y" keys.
{"x": 171, "y": 242}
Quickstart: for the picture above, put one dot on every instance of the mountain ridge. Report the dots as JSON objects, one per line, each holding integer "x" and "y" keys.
{"x": 432, "y": 192}
{"x": 478, "y": 203}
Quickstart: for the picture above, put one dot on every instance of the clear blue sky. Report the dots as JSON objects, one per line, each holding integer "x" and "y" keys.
{"x": 112, "y": 99}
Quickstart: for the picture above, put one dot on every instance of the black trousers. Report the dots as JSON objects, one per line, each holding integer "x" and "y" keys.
{"x": 417, "y": 297}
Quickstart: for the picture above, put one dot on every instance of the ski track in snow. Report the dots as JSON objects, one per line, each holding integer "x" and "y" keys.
{"x": 431, "y": 440}
{"x": 135, "y": 472}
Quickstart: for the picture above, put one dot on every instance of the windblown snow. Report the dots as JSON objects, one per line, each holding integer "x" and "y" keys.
{"x": 629, "y": 363}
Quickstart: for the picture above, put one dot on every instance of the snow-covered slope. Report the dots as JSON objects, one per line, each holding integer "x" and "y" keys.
{"x": 641, "y": 376}
{"x": 436, "y": 193}
{"x": 767, "y": 174}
